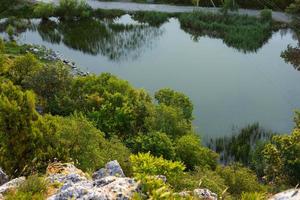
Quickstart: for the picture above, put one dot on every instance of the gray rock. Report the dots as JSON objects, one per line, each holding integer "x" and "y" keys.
{"x": 112, "y": 168}
{"x": 11, "y": 184}
{"x": 3, "y": 177}
{"x": 75, "y": 185}
{"x": 292, "y": 194}
{"x": 110, "y": 188}
{"x": 205, "y": 194}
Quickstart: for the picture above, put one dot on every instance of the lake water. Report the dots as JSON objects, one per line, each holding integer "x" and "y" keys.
{"x": 229, "y": 88}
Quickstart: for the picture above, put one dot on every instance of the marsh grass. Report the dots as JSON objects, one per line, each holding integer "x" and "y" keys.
{"x": 152, "y": 18}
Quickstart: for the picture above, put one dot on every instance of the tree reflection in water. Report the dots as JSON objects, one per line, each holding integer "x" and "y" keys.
{"x": 292, "y": 54}
{"x": 115, "y": 41}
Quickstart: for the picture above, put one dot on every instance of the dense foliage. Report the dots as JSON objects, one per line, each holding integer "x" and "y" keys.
{"x": 48, "y": 113}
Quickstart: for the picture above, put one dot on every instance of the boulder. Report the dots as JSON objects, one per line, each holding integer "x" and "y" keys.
{"x": 11, "y": 184}
{"x": 75, "y": 185}
{"x": 291, "y": 194}
{"x": 205, "y": 194}
{"x": 112, "y": 168}
{"x": 3, "y": 177}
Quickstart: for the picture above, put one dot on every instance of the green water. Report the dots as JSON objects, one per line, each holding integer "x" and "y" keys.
{"x": 229, "y": 88}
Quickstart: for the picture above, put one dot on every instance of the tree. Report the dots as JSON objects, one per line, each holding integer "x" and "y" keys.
{"x": 176, "y": 99}
{"x": 50, "y": 82}
{"x": 157, "y": 143}
{"x": 169, "y": 120}
{"x": 23, "y": 68}
{"x": 189, "y": 150}
{"x": 18, "y": 135}
{"x": 282, "y": 158}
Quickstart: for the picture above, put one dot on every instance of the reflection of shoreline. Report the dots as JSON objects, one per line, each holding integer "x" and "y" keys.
{"x": 116, "y": 41}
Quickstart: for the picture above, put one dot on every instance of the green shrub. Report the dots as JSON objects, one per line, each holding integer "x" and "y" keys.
{"x": 74, "y": 138}
{"x": 189, "y": 150}
{"x": 18, "y": 135}
{"x": 175, "y": 99}
{"x": 253, "y": 196}
{"x": 239, "y": 179}
{"x": 146, "y": 164}
{"x": 50, "y": 82}
{"x": 44, "y": 10}
{"x": 169, "y": 120}
{"x": 34, "y": 188}
{"x": 152, "y": 18}
{"x": 200, "y": 178}
{"x": 10, "y": 30}
{"x": 70, "y": 9}
{"x": 23, "y": 67}
{"x": 266, "y": 15}
{"x": 158, "y": 144}
{"x": 282, "y": 158}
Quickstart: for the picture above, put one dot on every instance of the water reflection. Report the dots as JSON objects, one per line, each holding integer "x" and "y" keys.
{"x": 119, "y": 41}
{"x": 236, "y": 38}
{"x": 292, "y": 53}
{"x": 116, "y": 41}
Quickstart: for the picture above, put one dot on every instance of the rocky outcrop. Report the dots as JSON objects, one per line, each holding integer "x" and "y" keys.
{"x": 292, "y": 194}
{"x": 204, "y": 194}
{"x": 11, "y": 185}
{"x": 3, "y": 177}
{"x": 108, "y": 183}
{"x": 112, "y": 168}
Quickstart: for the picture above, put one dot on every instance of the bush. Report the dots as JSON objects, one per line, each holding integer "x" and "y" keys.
{"x": 10, "y": 30}
{"x": 34, "y": 188}
{"x": 44, "y": 10}
{"x": 200, "y": 178}
{"x": 50, "y": 82}
{"x": 266, "y": 15}
{"x": 152, "y": 18}
{"x": 18, "y": 136}
{"x": 169, "y": 120}
{"x": 23, "y": 68}
{"x": 188, "y": 150}
{"x": 253, "y": 196}
{"x": 144, "y": 164}
{"x": 282, "y": 158}
{"x": 176, "y": 99}
{"x": 158, "y": 144}
{"x": 70, "y": 9}
{"x": 239, "y": 179}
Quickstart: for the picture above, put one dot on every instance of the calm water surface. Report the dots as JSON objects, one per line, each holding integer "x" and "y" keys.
{"x": 229, "y": 88}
